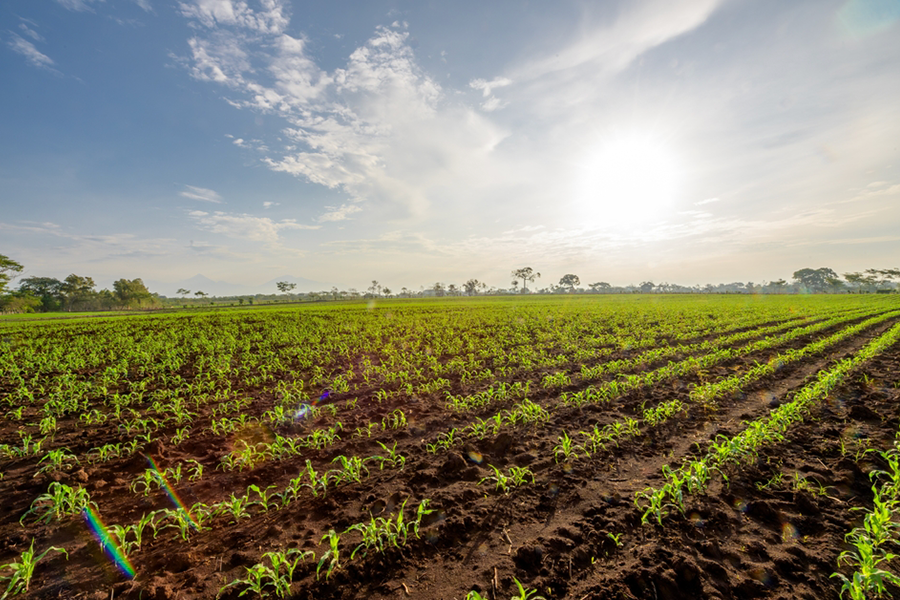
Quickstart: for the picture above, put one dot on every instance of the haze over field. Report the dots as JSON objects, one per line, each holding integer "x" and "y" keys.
{"x": 689, "y": 141}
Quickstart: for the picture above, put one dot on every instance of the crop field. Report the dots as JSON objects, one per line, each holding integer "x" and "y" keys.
{"x": 464, "y": 448}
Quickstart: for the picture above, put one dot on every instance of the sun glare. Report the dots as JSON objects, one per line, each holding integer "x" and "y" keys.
{"x": 629, "y": 180}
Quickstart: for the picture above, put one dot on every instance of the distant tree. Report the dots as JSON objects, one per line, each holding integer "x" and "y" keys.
{"x": 183, "y": 292}
{"x": 452, "y": 289}
{"x": 19, "y": 302}
{"x": 404, "y": 292}
{"x": 8, "y": 270}
{"x": 861, "y": 282}
{"x": 130, "y": 293}
{"x": 48, "y": 289}
{"x": 599, "y": 287}
{"x": 200, "y": 294}
{"x": 284, "y": 287}
{"x": 569, "y": 281}
{"x": 241, "y": 301}
{"x": 815, "y": 280}
{"x": 515, "y": 284}
{"x": 375, "y": 288}
{"x": 473, "y": 285}
{"x": 438, "y": 289}
{"x": 77, "y": 290}
{"x": 646, "y": 287}
{"x": 526, "y": 274}
{"x": 387, "y": 292}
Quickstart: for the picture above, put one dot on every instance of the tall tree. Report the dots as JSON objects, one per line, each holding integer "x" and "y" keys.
{"x": 569, "y": 281}
{"x": 48, "y": 289}
{"x": 472, "y": 286}
{"x": 183, "y": 292}
{"x": 130, "y": 293}
{"x": 816, "y": 280}
{"x": 599, "y": 287}
{"x": 284, "y": 287}
{"x": 526, "y": 274}
{"x": 77, "y": 290}
{"x": 8, "y": 270}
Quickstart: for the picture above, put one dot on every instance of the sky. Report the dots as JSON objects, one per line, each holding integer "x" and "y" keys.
{"x": 681, "y": 141}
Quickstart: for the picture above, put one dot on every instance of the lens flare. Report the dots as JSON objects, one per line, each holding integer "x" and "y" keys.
{"x": 305, "y": 409}
{"x": 475, "y": 457}
{"x": 789, "y": 533}
{"x": 95, "y": 524}
{"x": 170, "y": 491}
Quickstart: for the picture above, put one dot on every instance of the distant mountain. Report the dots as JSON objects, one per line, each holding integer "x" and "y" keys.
{"x": 203, "y": 283}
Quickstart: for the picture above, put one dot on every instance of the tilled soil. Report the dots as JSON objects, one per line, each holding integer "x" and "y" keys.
{"x": 774, "y": 530}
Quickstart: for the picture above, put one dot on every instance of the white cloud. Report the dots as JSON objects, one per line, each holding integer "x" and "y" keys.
{"x": 31, "y": 32}
{"x": 491, "y": 102}
{"x": 707, "y": 201}
{"x": 613, "y": 46}
{"x": 339, "y": 214}
{"x": 272, "y": 19}
{"x": 271, "y": 204}
{"x": 243, "y": 226}
{"x": 144, "y": 4}
{"x": 34, "y": 56}
{"x": 377, "y": 128}
{"x": 78, "y": 5}
{"x": 202, "y": 194}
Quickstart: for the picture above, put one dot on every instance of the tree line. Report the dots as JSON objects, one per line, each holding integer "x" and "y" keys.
{"x": 79, "y": 293}
{"x": 74, "y": 293}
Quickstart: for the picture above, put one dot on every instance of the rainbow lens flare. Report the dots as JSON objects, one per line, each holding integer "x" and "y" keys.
{"x": 95, "y": 524}
{"x": 170, "y": 491}
{"x": 304, "y": 409}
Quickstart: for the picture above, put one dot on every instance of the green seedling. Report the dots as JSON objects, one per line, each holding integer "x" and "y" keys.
{"x": 23, "y": 570}
{"x": 59, "y": 501}
{"x": 332, "y": 556}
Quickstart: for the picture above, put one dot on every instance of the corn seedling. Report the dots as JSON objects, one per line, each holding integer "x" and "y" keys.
{"x": 58, "y": 460}
{"x": 277, "y": 574}
{"x": 23, "y": 570}
{"x": 524, "y": 593}
{"x": 566, "y": 448}
{"x": 332, "y": 556}
{"x": 395, "y": 459}
{"x": 59, "y": 501}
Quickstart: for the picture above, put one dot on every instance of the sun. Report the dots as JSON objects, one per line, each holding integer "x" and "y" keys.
{"x": 629, "y": 180}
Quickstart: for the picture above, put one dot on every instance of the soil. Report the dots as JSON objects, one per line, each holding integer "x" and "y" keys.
{"x": 775, "y": 530}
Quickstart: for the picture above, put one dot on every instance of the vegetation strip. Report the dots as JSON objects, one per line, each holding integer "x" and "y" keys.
{"x": 694, "y": 475}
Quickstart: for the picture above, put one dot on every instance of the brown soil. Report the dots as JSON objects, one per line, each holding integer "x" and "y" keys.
{"x": 775, "y": 531}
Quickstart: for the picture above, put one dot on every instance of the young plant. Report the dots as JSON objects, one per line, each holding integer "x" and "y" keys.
{"x": 58, "y": 460}
{"x": 332, "y": 556}
{"x": 566, "y": 448}
{"x": 279, "y": 575}
{"x": 23, "y": 569}
{"x": 525, "y": 594}
{"x": 59, "y": 501}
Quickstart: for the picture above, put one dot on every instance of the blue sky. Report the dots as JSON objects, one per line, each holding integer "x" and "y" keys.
{"x": 688, "y": 141}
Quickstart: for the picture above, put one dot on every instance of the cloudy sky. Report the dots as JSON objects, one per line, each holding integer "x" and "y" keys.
{"x": 688, "y": 141}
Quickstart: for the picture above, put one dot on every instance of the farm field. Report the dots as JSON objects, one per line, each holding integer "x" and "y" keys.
{"x": 575, "y": 447}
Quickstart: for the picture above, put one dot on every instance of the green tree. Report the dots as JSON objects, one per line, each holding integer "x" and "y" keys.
{"x": 472, "y": 286}
{"x": 131, "y": 293}
{"x": 526, "y": 274}
{"x": 77, "y": 290}
{"x": 569, "y": 281}
{"x": 815, "y": 280}
{"x": 8, "y": 270}
{"x": 599, "y": 287}
{"x": 284, "y": 287}
{"x": 183, "y": 292}
{"x": 48, "y": 289}
{"x": 19, "y": 302}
